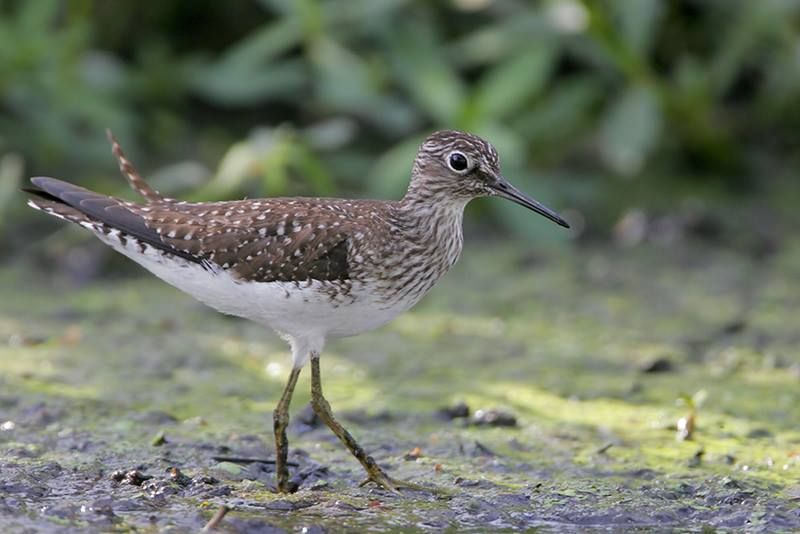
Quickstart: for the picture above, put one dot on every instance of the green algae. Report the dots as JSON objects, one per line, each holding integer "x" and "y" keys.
{"x": 89, "y": 375}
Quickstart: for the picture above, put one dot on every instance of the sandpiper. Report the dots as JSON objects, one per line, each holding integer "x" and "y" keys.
{"x": 312, "y": 269}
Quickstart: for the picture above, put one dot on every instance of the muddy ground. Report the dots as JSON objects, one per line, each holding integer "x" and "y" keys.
{"x": 125, "y": 405}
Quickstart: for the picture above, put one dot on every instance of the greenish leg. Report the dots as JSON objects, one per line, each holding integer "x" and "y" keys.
{"x": 280, "y": 418}
{"x": 323, "y": 410}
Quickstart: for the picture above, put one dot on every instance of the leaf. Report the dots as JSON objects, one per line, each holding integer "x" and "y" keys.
{"x": 507, "y": 87}
{"x": 494, "y": 41}
{"x": 239, "y": 85}
{"x": 11, "y": 170}
{"x": 754, "y": 25}
{"x": 310, "y": 15}
{"x": 348, "y": 18}
{"x": 250, "y": 71}
{"x": 423, "y": 71}
{"x": 637, "y": 21}
{"x": 561, "y": 115}
{"x": 311, "y": 169}
{"x": 630, "y": 130}
{"x": 262, "y": 155}
{"x": 345, "y": 82}
{"x": 343, "y": 77}
{"x": 391, "y": 173}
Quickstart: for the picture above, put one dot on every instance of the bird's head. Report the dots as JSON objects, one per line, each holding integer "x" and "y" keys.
{"x": 462, "y": 166}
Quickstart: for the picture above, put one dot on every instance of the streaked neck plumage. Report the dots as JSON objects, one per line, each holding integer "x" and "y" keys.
{"x": 432, "y": 215}
{"x": 429, "y": 238}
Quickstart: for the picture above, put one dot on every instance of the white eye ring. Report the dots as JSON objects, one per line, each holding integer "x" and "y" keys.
{"x": 458, "y": 162}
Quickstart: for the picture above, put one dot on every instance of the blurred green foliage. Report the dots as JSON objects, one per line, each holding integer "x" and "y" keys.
{"x": 588, "y": 101}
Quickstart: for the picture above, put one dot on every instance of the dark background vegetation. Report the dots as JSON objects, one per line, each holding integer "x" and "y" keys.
{"x": 635, "y": 117}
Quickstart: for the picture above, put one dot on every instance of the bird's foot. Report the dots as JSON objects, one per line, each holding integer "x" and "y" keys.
{"x": 379, "y": 477}
{"x": 289, "y": 487}
{"x": 284, "y": 483}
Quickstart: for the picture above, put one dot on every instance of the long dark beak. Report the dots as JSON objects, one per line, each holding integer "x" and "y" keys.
{"x": 504, "y": 189}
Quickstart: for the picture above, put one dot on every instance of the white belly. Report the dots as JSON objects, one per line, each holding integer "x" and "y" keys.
{"x": 296, "y": 310}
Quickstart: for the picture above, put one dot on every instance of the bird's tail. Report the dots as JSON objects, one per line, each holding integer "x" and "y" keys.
{"x": 49, "y": 201}
{"x": 127, "y": 169}
{"x": 104, "y": 215}
{"x": 58, "y": 198}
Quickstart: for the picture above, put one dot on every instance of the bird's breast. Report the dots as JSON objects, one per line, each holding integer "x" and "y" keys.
{"x": 413, "y": 263}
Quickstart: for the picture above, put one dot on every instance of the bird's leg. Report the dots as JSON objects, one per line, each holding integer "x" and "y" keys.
{"x": 280, "y": 418}
{"x": 323, "y": 410}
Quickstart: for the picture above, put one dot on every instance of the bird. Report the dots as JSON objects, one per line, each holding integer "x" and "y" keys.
{"x": 311, "y": 269}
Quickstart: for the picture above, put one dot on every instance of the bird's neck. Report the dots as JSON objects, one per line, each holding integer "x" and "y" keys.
{"x": 434, "y": 221}
{"x": 420, "y": 205}
{"x": 426, "y": 241}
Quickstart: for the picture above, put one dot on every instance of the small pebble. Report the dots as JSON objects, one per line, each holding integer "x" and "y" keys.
{"x": 457, "y": 410}
{"x": 493, "y": 417}
{"x": 159, "y": 439}
{"x": 685, "y": 427}
{"x": 178, "y": 477}
{"x": 319, "y": 485}
{"x": 757, "y": 433}
{"x": 656, "y": 365}
{"x": 134, "y": 477}
{"x": 205, "y": 479}
{"x": 413, "y": 454}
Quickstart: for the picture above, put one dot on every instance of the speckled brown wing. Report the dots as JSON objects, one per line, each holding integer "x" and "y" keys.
{"x": 268, "y": 240}
{"x": 259, "y": 240}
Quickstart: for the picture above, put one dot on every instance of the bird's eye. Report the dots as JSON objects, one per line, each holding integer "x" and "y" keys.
{"x": 457, "y": 161}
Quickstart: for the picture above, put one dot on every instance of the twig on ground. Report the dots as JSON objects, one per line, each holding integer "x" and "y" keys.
{"x": 604, "y": 449}
{"x": 216, "y": 519}
{"x": 240, "y": 460}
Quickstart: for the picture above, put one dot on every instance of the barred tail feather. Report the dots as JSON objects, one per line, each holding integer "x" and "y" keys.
{"x": 52, "y": 205}
{"x": 64, "y": 212}
{"x": 97, "y": 212}
{"x": 127, "y": 169}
